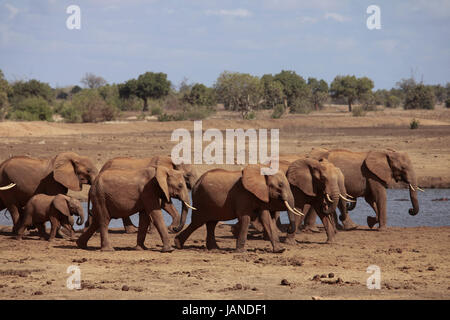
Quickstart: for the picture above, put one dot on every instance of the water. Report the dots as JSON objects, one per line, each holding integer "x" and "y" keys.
{"x": 432, "y": 213}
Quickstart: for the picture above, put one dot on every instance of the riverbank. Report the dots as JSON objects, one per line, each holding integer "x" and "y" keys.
{"x": 413, "y": 263}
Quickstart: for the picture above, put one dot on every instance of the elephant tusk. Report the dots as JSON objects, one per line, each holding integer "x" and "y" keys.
{"x": 420, "y": 189}
{"x": 349, "y": 196}
{"x": 298, "y": 213}
{"x": 348, "y": 200}
{"x": 9, "y": 186}
{"x": 328, "y": 198}
{"x": 412, "y": 188}
{"x": 189, "y": 206}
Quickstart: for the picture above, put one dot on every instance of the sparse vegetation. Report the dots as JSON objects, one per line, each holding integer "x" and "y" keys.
{"x": 358, "y": 111}
{"x": 414, "y": 124}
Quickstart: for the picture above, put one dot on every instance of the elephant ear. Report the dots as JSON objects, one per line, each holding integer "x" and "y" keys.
{"x": 162, "y": 174}
{"x": 300, "y": 174}
{"x": 60, "y": 204}
{"x": 377, "y": 163}
{"x": 64, "y": 171}
{"x": 255, "y": 182}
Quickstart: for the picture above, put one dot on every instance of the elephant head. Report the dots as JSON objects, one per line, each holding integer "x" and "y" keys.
{"x": 269, "y": 188}
{"x": 72, "y": 170}
{"x": 390, "y": 164}
{"x": 316, "y": 178}
{"x": 68, "y": 206}
{"x": 172, "y": 185}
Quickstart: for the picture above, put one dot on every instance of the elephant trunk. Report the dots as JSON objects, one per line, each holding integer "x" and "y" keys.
{"x": 332, "y": 205}
{"x": 184, "y": 213}
{"x": 414, "y": 201}
{"x": 290, "y": 205}
{"x": 80, "y": 219}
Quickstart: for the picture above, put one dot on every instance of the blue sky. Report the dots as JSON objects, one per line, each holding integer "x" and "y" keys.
{"x": 198, "y": 39}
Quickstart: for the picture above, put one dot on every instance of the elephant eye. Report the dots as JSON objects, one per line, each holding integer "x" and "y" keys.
{"x": 180, "y": 185}
{"x": 281, "y": 184}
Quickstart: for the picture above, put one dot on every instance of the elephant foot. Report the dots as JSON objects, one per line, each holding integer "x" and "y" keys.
{"x": 178, "y": 243}
{"x": 290, "y": 241}
{"x": 234, "y": 230}
{"x": 81, "y": 244}
{"x": 331, "y": 241}
{"x": 130, "y": 229}
{"x": 371, "y": 221}
{"x": 140, "y": 247}
{"x": 171, "y": 230}
{"x": 18, "y": 238}
{"x": 213, "y": 246}
{"x": 107, "y": 249}
{"x": 166, "y": 249}
{"x": 278, "y": 249}
{"x": 349, "y": 226}
{"x": 311, "y": 229}
{"x": 382, "y": 228}
{"x": 239, "y": 250}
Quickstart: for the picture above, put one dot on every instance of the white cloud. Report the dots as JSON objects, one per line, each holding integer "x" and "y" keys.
{"x": 241, "y": 13}
{"x": 336, "y": 17}
{"x": 308, "y": 20}
{"x": 13, "y": 11}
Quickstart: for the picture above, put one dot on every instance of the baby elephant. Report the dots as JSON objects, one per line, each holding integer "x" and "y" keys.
{"x": 57, "y": 209}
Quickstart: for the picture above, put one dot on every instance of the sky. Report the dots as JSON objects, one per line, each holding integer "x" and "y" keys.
{"x": 199, "y": 39}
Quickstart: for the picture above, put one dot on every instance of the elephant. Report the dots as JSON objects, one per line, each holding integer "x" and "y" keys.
{"x": 57, "y": 209}
{"x": 118, "y": 193}
{"x": 221, "y": 195}
{"x": 189, "y": 172}
{"x": 31, "y": 176}
{"x": 368, "y": 174}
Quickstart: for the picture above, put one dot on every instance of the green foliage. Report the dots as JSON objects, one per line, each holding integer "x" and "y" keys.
{"x": 367, "y": 101}
{"x": 319, "y": 92}
{"x": 149, "y": 85}
{"x": 32, "y": 88}
{"x": 62, "y": 95}
{"x": 32, "y": 109}
{"x": 447, "y": 103}
{"x": 419, "y": 97}
{"x": 92, "y": 106}
{"x": 414, "y": 124}
{"x": 70, "y": 113}
{"x": 302, "y": 106}
{"x": 238, "y": 92}
{"x": 295, "y": 88}
{"x": 272, "y": 91}
{"x": 5, "y": 90}
{"x": 75, "y": 90}
{"x": 358, "y": 111}
{"x": 278, "y": 111}
{"x": 200, "y": 95}
{"x": 155, "y": 110}
{"x": 392, "y": 101}
{"x": 440, "y": 93}
{"x": 350, "y": 88}
{"x": 193, "y": 113}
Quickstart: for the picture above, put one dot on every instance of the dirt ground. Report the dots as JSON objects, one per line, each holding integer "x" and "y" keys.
{"x": 413, "y": 264}
{"x": 413, "y": 261}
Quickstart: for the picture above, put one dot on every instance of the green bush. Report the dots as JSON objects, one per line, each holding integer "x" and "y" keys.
{"x": 414, "y": 124}
{"x": 32, "y": 109}
{"x": 392, "y": 101}
{"x": 155, "y": 110}
{"x": 358, "y": 112}
{"x": 278, "y": 111}
{"x": 70, "y": 113}
{"x": 250, "y": 115}
{"x": 92, "y": 107}
{"x": 419, "y": 97}
{"x": 302, "y": 106}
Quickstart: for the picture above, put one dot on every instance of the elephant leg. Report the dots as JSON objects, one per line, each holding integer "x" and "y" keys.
{"x": 256, "y": 224}
{"x": 210, "y": 235}
{"x": 104, "y": 235}
{"x": 86, "y": 235}
{"x": 347, "y": 222}
{"x": 54, "y": 228}
{"x": 328, "y": 224}
{"x": 380, "y": 200}
{"x": 158, "y": 220}
{"x": 128, "y": 225}
{"x": 15, "y": 215}
{"x": 310, "y": 220}
{"x": 243, "y": 231}
{"x": 42, "y": 234}
{"x": 269, "y": 226}
{"x": 372, "y": 221}
{"x": 151, "y": 226}
{"x": 172, "y": 211}
{"x": 181, "y": 238}
{"x": 144, "y": 221}
{"x": 235, "y": 229}
{"x": 290, "y": 237}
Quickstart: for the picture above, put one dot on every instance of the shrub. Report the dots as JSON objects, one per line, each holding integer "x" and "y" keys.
{"x": 358, "y": 112}
{"x": 301, "y": 106}
{"x": 278, "y": 111}
{"x": 368, "y": 101}
{"x": 199, "y": 113}
{"x": 392, "y": 101}
{"x": 155, "y": 110}
{"x": 414, "y": 124}
{"x": 447, "y": 103}
{"x": 70, "y": 113}
{"x": 32, "y": 109}
{"x": 92, "y": 107}
{"x": 419, "y": 97}
{"x": 250, "y": 115}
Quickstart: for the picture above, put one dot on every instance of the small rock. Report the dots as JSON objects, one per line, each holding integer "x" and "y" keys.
{"x": 238, "y": 286}
{"x": 125, "y": 288}
{"x": 331, "y": 275}
{"x": 431, "y": 268}
{"x": 284, "y": 282}
{"x": 323, "y": 276}
{"x": 316, "y": 278}
{"x": 256, "y": 289}
{"x": 38, "y": 293}
{"x": 339, "y": 281}
{"x": 316, "y": 298}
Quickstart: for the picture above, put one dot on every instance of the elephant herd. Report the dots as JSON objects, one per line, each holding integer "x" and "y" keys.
{"x": 306, "y": 186}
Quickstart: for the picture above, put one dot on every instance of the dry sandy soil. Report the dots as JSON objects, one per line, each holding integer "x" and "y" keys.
{"x": 413, "y": 261}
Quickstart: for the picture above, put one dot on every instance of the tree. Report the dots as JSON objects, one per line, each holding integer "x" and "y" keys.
{"x": 419, "y": 97}
{"x": 272, "y": 92}
{"x": 92, "y": 81}
{"x": 75, "y": 89}
{"x": 148, "y": 85}
{"x": 92, "y": 107}
{"x": 238, "y": 91}
{"x": 440, "y": 93}
{"x": 5, "y": 90}
{"x": 319, "y": 92}
{"x": 32, "y": 109}
{"x": 350, "y": 88}
{"x": 294, "y": 87}
{"x": 200, "y": 95}
{"x": 29, "y": 89}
